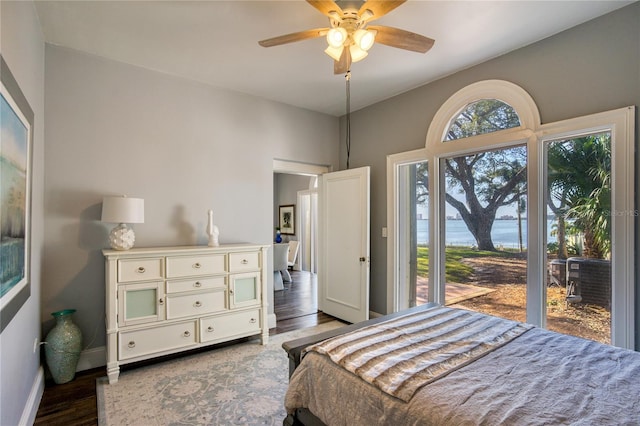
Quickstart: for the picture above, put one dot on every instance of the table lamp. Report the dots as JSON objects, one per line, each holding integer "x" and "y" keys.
{"x": 122, "y": 210}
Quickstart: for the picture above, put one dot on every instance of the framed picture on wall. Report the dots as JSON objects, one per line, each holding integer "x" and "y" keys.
{"x": 287, "y": 219}
{"x": 16, "y": 125}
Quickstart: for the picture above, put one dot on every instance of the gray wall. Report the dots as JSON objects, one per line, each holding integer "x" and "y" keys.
{"x": 590, "y": 68}
{"x": 182, "y": 146}
{"x": 21, "y": 382}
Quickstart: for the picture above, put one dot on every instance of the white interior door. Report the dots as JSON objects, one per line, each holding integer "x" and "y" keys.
{"x": 343, "y": 278}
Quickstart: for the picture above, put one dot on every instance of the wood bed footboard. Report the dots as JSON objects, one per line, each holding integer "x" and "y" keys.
{"x": 294, "y": 349}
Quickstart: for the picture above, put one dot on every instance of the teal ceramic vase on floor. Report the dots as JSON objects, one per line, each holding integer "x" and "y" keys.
{"x": 62, "y": 347}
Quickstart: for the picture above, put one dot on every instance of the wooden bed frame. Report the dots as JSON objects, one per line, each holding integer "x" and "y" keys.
{"x": 295, "y": 347}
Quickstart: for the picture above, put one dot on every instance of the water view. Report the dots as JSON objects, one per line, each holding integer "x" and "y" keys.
{"x": 504, "y": 233}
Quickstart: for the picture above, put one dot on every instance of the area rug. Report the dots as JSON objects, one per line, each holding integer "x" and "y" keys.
{"x": 241, "y": 384}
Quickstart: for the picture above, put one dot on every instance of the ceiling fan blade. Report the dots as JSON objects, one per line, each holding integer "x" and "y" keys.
{"x": 344, "y": 64}
{"x": 379, "y": 7}
{"x": 293, "y": 37}
{"x": 326, "y": 7}
{"x": 402, "y": 39}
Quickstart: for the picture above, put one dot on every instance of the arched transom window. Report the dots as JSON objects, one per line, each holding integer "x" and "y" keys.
{"x": 480, "y": 117}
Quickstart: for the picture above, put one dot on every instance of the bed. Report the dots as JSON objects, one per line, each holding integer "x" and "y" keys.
{"x": 433, "y": 365}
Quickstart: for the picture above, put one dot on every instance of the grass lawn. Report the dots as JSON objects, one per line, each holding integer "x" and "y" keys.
{"x": 455, "y": 269}
{"x": 505, "y": 273}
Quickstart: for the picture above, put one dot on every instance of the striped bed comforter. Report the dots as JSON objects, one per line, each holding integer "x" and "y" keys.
{"x": 402, "y": 355}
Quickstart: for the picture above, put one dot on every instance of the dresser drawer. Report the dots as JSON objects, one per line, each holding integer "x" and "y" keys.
{"x": 136, "y": 343}
{"x": 229, "y": 325}
{"x": 196, "y": 284}
{"x": 249, "y": 261}
{"x": 145, "y": 269}
{"x": 191, "y": 305}
{"x": 191, "y": 266}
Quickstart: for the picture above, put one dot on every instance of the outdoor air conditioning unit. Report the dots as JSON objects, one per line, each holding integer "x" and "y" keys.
{"x": 590, "y": 279}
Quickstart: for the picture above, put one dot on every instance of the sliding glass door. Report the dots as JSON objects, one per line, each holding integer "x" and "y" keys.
{"x": 408, "y": 256}
{"x": 485, "y": 232}
{"x": 578, "y": 175}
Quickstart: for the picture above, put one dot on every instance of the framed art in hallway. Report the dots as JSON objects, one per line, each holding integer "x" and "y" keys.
{"x": 287, "y": 219}
{"x": 16, "y": 127}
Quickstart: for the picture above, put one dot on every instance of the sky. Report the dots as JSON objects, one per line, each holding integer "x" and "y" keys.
{"x": 13, "y": 135}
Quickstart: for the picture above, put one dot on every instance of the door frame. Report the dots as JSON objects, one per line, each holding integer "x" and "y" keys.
{"x": 293, "y": 168}
{"x": 310, "y": 234}
{"x": 394, "y": 162}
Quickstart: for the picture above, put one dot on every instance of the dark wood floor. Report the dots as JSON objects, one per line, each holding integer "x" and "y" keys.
{"x": 299, "y": 297}
{"x": 75, "y": 403}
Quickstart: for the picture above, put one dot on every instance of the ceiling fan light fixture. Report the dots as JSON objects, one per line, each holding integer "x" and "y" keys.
{"x": 349, "y": 29}
{"x": 334, "y": 52}
{"x": 336, "y": 37}
{"x": 364, "y": 38}
{"x": 366, "y": 15}
{"x": 357, "y": 54}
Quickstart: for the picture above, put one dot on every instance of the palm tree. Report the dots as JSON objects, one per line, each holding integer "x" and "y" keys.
{"x": 579, "y": 190}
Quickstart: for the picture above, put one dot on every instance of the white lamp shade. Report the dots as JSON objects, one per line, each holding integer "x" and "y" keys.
{"x": 336, "y": 37}
{"x": 122, "y": 210}
{"x": 357, "y": 54}
{"x": 364, "y": 38}
{"x": 334, "y": 52}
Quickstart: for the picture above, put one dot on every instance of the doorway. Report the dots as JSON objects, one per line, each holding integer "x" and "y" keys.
{"x": 296, "y": 184}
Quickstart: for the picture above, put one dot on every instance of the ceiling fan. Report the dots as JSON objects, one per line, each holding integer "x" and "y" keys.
{"x": 350, "y": 36}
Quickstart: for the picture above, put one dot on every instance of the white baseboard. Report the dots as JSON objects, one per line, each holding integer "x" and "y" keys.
{"x": 271, "y": 320}
{"x": 373, "y": 314}
{"x": 92, "y": 358}
{"x": 33, "y": 402}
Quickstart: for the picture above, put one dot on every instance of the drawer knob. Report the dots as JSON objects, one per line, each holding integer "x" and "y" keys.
{"x": 141, "y": 270}
{"x": 210, "y": 329}
{"x": 197, "y": 284}
{"x": 132, "y": 344}
{"x": 252, "y": 320}
{"x": 197, "y": 265}
{"x": 186, "y": 334}
{"x": 244, "y": 261}
{"x": 197, "y": 304}
{"x": 161, "y": 302}
{"x": 230, "y": 291}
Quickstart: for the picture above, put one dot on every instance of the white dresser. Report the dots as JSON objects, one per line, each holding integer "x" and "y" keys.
{"x": 170, "y": 299}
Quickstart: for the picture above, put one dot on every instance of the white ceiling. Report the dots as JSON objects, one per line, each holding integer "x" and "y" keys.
{"x": 216, "y": 42}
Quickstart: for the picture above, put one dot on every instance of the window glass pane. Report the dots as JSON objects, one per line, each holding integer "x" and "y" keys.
{"x": 579, "y": 248}
{"x": 140, "y": 303}
{"x": 485, "y": 232}
{"x": 483, "y": 116}
{"x": 413, "y": 234}
{"x": 244, "y": 289}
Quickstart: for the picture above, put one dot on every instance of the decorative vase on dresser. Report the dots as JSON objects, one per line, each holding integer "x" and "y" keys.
{"x": 63, "y": 345}
{"x": 171, "y": 299}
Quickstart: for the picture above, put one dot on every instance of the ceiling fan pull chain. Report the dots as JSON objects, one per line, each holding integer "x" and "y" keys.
{"x": 347, "y": 77}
